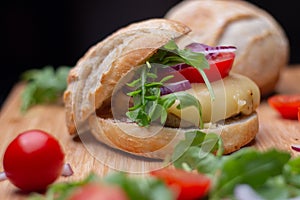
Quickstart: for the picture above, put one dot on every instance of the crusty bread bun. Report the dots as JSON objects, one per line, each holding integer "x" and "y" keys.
{"x": 91, "y": 84}
{"x": 262, "y": 46}
{"x": 93, "y": 78}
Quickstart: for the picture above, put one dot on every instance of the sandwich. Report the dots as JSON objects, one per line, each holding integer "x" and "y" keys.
{"x": 139, "y": 92}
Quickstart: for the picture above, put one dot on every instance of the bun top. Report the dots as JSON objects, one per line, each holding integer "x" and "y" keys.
{"x": 95, "y": 75}
{"x": 262, "y": 46}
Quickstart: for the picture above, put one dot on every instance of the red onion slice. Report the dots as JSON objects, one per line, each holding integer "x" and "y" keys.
{"x": 179, "y": 67}
{"x": 175, "y": 87}
{"x": 67, "y": 170}
{"x": 296, "y": 147}
{"x": 3, "y": 176}
{"x": 209, "y": 51}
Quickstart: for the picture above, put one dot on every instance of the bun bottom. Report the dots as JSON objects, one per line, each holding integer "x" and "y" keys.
{"x": 159, "y": 142}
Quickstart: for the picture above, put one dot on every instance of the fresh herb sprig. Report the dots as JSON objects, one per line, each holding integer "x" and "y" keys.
{"x": 44, "y": 85}
{"x": 134, "y": 187}
{"x": 170, "y": 54}
{"x": 61, "y": 191}
{"x": 271, "y": 174}
{"x": 149, "y": 105}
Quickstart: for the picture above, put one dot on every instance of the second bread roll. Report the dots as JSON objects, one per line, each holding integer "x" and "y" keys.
{"x": 263, "y": 48}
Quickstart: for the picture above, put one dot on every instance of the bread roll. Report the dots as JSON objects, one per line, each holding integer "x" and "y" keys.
{"x": 262, "y": 46}
{"x": 92, "y": 80}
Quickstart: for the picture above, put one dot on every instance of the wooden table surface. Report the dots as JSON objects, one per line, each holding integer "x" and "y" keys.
{"x": 87, "y": 156}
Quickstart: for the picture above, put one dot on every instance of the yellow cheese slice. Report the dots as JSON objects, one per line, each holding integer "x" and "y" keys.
{"x": 233, "y": 95}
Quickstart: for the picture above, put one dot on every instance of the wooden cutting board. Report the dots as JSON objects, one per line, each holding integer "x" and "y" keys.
{"x": 89, "y": 155}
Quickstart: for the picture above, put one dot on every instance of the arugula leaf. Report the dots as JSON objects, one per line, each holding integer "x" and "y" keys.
{"x": 43, "y": 85}
{"x": 272, "y": 174}
{"x": 170, "y": 55}
{"x": 268, "y": 173}
{"x": 185, "y": 99}
{"x": 149, "y": 105}
{"x": 136, "y": 188}
{"x": 61, "y": 191}
{"x": 280, "y": 187}
{"x": 195, "y": 152}
{"x": 249, "y": 166}
{"x": 292, "y": 172}
{"x": 140, "y": 188}
{"x": 196, "y": 159}
{"x": 276, "y": 188}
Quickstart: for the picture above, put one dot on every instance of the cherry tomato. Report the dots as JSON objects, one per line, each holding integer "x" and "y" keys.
{"x": 299, "y": 114}
{"x": 95, "y": 191}
{"x": 186, "y": 184}
{"x": 33, "y": 160}
{"x": 287, "y": 105}
{"x": 220, "y": 67}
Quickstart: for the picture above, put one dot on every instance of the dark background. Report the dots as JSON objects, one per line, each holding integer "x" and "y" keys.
{"x": 38, "y": 33}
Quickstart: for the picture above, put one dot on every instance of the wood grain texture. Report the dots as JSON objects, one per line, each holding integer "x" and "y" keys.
{"x": 90, "y": 155}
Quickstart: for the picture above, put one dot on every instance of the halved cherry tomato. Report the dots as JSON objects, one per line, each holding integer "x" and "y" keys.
{"x": 220, "y": 67}
{"x": 33, "y": 160}
{"x": 186, "y": 185}
{"x": 95, "y": 191}
{"x": 287, "y": 105}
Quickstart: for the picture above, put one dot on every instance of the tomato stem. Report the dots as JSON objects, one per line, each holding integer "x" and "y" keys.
{"x": 67, "y": 170}
{"x": 3, "y": 176}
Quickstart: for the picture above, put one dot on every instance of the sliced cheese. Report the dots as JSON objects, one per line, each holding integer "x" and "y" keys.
{"x": 233, "y": 95}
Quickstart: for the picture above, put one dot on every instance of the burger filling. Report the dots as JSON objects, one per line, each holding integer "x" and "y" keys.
{"x": 183, "y": 88}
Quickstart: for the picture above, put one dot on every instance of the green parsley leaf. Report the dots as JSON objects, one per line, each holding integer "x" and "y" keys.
{"x": 43, "y": 85}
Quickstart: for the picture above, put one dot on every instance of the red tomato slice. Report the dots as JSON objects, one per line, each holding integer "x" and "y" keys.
{"x": 186, "y": 184}
{"x": 286, "y": 105}
{"x": 95, "y": 191}
{"x": 220, "y": 67}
